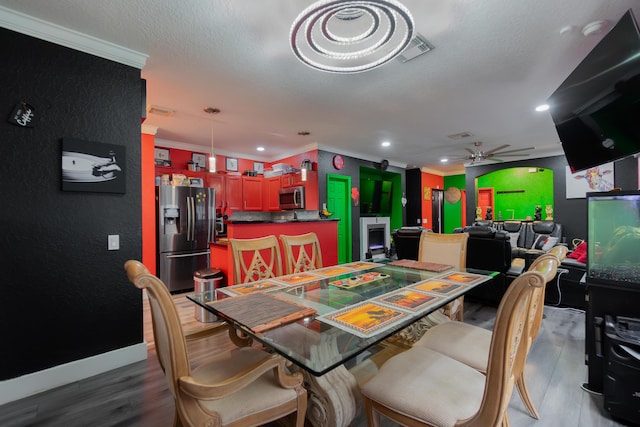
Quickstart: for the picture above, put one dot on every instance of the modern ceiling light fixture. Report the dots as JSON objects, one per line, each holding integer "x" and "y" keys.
{"x": 351, "y": 36}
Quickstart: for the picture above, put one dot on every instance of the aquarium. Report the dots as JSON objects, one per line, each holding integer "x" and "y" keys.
{"x": 613, "y": 240}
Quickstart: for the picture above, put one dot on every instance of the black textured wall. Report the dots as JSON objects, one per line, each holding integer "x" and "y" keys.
{"x": 351, "y": 168}
{"x": 64, "y": 297}
{"x": 571, "y": 213}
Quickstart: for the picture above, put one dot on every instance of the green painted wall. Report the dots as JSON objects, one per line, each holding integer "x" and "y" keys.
{"x": 453, "y": 211}
{"x": 509, "y": 200}
{"x": 391, "y": 205}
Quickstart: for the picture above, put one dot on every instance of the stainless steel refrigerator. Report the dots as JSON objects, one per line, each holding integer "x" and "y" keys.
{"x": 185, "y": 219}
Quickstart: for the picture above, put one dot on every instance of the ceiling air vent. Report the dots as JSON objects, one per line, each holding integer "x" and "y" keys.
{"x": 460, "y": 135}
{"x": 161, "y": 111}
{"x": 418, "y": 45}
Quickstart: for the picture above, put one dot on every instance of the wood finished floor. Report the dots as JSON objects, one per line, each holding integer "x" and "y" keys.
{"x": 137, "y": 395}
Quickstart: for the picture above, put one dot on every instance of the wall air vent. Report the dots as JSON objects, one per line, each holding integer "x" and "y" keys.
{"x": 418, "y": 45}
{"x": 160, "y": 111}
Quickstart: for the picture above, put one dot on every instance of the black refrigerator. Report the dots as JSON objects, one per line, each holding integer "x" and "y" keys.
{"x": 185, "y": 226}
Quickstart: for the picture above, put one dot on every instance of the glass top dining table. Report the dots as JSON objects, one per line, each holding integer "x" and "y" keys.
{"x": 336, "y": 313}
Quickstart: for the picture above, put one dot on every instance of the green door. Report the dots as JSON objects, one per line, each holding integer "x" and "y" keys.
{"x": 339, "y": 204}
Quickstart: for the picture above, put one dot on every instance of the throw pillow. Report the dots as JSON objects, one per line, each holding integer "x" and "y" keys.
{"x": 514, "y": 239}
{"x": 537, "y": 244}
{"x": 549, "y": 243}
{"x": 579, "y": 253}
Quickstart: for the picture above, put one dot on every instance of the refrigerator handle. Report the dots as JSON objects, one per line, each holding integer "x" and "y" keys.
{"x": 189, "y": 218}
{"x": 191, "y": 254}
{"x": 193, "y": 218}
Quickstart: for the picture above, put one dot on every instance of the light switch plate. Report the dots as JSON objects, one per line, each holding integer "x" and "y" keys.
{"x": 113, "y": 242}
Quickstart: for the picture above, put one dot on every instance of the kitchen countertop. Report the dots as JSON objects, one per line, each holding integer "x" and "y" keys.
{"x": 276, "y": 221}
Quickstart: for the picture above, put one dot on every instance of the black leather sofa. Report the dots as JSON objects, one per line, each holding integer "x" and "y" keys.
{"x": 406, "y": 241}
{"x": 524, "y": 234}
{"x": 488, "y": 249}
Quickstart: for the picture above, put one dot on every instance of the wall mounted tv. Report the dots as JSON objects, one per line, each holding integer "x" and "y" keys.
{"x": 596, "y": 110}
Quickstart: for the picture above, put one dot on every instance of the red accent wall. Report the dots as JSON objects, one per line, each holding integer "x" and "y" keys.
{"x": 432, "y": 181}
{"x": 147, "y": 168}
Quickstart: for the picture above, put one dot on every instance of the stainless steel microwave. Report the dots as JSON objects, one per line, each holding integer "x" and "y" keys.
{"x": 291, "y": 198}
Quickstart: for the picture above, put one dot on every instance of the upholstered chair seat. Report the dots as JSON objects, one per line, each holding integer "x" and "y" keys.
{"x": 459, "y": 397}
{"x": 470, "y": 344}
{"x": 423, "y": 387}
{"x": 262, "y": 395}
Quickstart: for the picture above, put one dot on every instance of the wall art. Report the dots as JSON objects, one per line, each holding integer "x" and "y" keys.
{"x": 93, "y": 166}
{"x": 599, "y": 178}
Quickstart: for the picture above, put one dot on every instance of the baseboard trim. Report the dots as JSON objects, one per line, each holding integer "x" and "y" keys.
{"x": 37, "y": 382}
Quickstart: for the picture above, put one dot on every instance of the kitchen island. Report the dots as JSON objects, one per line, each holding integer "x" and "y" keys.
{"x": 250, "y": 227}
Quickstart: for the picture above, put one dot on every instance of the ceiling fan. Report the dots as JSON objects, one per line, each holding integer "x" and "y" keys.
{"x": 479, "y": 155}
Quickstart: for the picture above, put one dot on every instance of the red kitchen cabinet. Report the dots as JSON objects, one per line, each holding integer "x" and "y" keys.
{"x": 271, "y": 187}
{"x": 217, "y": 182}
{"x": 233, "y": 193}
{"x": 252, "y": 192}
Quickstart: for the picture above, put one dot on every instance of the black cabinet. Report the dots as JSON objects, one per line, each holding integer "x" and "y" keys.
{"x": 622, "y": 368}
{"x": 603, "y": 300}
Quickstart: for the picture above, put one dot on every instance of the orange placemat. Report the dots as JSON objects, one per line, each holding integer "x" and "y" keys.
{"x": 261, "y": 312}
{"x": 420, "y": 265}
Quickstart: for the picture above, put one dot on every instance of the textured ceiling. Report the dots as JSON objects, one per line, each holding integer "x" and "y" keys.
{"x": 493, "y": 62}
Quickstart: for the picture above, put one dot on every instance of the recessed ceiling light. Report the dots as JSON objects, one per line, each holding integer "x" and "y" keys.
{"x": 542, "y": 107}
{"x": 386, "y": 144}
{"x": 260, "y": 148}
{"x": 211, "y": 110}
{"x": 444, "y": 160}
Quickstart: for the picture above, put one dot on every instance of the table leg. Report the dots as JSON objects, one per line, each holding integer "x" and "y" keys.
{"x": 333, "y": 398}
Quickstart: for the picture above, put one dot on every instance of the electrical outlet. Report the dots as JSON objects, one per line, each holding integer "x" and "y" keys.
{"x": 113, "y": 242}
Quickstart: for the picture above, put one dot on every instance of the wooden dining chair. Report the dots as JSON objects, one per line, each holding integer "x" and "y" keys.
{"x": 423, "y": 387}
{"x": 448, "y": 249}
{"x": 192, "y": 331}
{"x": 301, "y": 252}
{"x": 470, "y": 344}
{"x": 244, "y": 387}
{"x": 560, "y": 251}
{"x": 256, "y": 259}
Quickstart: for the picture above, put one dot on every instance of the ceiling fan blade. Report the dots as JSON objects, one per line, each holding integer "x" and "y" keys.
{"x": 493, "y": 150}
{"x": 516, "y": 150}
{"x": 512, "y": 155}
{"x": 470, "y": 150}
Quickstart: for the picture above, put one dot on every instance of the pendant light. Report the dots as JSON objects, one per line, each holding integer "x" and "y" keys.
{"x": 212, "y": 158}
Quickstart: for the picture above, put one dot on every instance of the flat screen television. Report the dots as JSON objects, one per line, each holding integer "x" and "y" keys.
{"x": 613, "y": 238}
{"x": 596, "y": 110}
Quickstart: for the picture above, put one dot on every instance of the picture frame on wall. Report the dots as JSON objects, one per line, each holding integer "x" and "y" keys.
{"x": 596, "y": 179}
{"x": 258, "y": 167}
{"x": 200, "y": 160}
{"x": 232, "y": 164}
{"x": 161, "y": 154}
{"x": 93, "y": 166}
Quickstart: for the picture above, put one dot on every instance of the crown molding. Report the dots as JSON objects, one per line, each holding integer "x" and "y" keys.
{"x": 360, "y": 156}
{"x": 57, "y": 34}
{"x": 217, "y": 150}
{"x": 148, "y": 129}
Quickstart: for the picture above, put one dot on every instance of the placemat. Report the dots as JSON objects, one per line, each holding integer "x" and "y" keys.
{"x": 261, "y": 312}
{"x": 420, "y": 265}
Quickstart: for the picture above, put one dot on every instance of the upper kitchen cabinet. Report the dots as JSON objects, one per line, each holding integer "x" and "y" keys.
{"x": 252, "y": 193}
{"x": 233, "y": 192}
{"x": 271, "y": 191}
